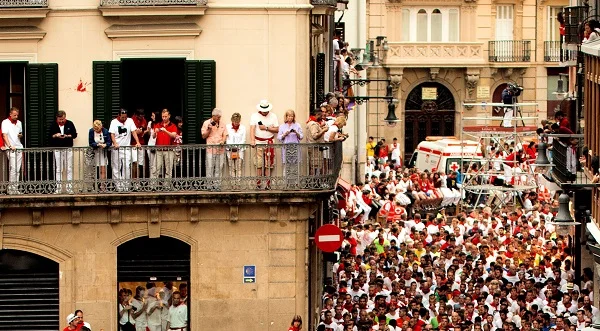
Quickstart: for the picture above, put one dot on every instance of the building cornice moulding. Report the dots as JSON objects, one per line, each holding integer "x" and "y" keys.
{"x": 153, "y": 30}
{"x": 21, "y": 33}
{"x": 23, "y": 13}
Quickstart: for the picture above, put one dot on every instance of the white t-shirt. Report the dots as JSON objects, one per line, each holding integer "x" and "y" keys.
{"x": 178, "y": 316}
{"x": 142, "y": 319}
{"x": 270, "y": 121}
{"x": 13, "y": 131}
{"x": 154, "y": 317}
{"x": 122, "y": 131}
{"x": 330, "y": 134}
{"x": 151, "y": 140}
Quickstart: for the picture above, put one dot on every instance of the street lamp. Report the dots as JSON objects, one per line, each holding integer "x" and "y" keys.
{"x": 563, "y": 221}
{"x": 560, "y": 88}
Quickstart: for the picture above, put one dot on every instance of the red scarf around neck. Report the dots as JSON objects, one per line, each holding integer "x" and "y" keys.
{"x": 13, "y": 122}
{"x": 235, "y": 126}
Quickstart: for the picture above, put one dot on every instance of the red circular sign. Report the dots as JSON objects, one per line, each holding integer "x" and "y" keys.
{"x": 329, "y": 238}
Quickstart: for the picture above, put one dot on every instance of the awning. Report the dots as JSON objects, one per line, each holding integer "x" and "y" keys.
{"x": 343, "y": 185}
{"x": 594, "y": 230}
{"x": 592, "y": 48}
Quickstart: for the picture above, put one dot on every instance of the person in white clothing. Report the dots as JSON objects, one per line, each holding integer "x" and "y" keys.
{"x": 121, "y": 130}
{"x": 394, "y": 150}
{"x": 177, "y": 314}
{"x": 140, "y": 305}
{"x": 236, "y": 135}
{"x": 154, "y": 118}
{"x": 154, "y": 308}
{"x": 12, "y": 133}
{"x": 264, "y": 125}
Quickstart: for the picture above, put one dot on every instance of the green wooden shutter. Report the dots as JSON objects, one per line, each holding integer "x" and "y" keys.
{"x": 107, "y": 90}
{"x": 42, "y": 102}
{"x": 200, "y": 97}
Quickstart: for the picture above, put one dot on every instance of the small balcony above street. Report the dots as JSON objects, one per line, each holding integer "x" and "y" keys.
{"x": 509, "y": 51}
{"x": 552, "y": 51}
{"x": 23, "y": 9}
{"x": 571, "y": 165}
{"x": 435, "y": 54}
{"x": 125, "y": 8}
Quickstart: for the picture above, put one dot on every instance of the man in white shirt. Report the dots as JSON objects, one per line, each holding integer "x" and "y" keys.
{"x": 121, "y": 129}
{"x": 263, "y": 127}
{"x": 12, "y": 132}
{"x": 395, "y": 152}
{"x": 177, "y": 314}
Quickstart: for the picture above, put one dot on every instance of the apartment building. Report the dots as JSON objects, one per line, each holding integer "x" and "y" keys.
{"x": 459, "y": 51}
{"x": 241, "y": 245}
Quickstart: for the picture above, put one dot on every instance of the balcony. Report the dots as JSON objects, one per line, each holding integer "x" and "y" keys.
{"x": 332, "y": 3}
{"x": 574, "y": 17}
{"x": 418, "y": 54}
{"x": 569, "y": 164}
{"x": 125, "y": 8}
{"x": 92, "y": 175}
{"x": 552, "y": 51}
{"x": 510, "y": 51}
{"x": 23, "y": 9}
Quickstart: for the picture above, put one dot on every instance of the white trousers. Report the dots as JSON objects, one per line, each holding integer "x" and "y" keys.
{"x": 121, "y": 166}
{"x": 63, "y": 161}
{"x": 15, "y": 161}
{"x": 508, "y": 116}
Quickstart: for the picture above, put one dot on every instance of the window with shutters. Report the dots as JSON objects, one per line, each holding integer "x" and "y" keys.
{"x": 429, "y": 24}
{"x": 29, "y": 292}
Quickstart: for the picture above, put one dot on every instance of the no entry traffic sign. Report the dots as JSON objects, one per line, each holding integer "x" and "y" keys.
{"x": 329, "y": 238}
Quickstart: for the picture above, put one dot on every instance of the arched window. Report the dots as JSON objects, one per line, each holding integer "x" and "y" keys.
{"x": 422, "y": 25}
{"x": 436, "y": 25}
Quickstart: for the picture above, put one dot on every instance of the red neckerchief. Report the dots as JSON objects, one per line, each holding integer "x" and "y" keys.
{"x": 13, "y": 122}
{"x": 235, "y": 127}
{"x": 119, "y": 119}
{"x": 312, "y": 118}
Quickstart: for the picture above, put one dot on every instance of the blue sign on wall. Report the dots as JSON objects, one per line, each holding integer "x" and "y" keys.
{"x": 249, "y": 274}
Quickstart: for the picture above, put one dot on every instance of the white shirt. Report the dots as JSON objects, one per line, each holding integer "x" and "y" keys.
{"x": 126, "y": 316}
{"x": 142, "y": 319}
{"x": 122, "y": 131}
{"x": 151, "y": 140}
{"x": 154, "y": 317}
{"x": 236, "y": 137}
{"x": 13, "y": 131}
{"x": 269, "y": 121}
{"x": 178, "y": 316}
{"x": 330, "y": 134}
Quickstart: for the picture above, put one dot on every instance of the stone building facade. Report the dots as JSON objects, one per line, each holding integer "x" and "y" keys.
{"x": 467, "y": 51}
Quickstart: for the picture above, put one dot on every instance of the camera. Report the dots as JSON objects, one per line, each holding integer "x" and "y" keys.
{"x": 292, "y": 130}
{"x": 213, "y": 123}
{"x": 260, "y": 123}
{"x": 515, "y": 89}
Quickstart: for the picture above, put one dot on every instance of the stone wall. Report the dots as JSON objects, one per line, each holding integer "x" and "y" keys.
{"x": 274, "y": 238}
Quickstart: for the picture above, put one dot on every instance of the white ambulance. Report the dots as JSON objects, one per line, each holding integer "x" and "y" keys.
{"x": 445, "y": 154}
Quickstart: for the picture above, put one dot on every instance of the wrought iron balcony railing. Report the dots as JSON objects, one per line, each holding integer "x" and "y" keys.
{"x": 23, "y": 3}
{"x": 510, "y": 50}
{"x": 108, "y": 3}
{"x": 188, "y": 168}
{"x": 574, "y": 17}
{"x": 332, "y": 3}
{"x": 569, "y": 162}
{"x": 552, "y": 51}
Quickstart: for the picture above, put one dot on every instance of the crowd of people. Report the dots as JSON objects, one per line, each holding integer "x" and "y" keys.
{"x": 150, "y": 147}
{"x": 410, "y": 263}
{"x": 154, "y": 308}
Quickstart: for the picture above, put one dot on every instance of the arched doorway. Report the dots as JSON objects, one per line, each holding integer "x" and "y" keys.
{"x": 29, "y": 295}
{"x": 430, "y": 111}
{"x": 497, "y": 98}
{"x": 163, "y": 262}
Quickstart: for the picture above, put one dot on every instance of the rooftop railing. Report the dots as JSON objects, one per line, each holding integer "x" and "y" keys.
{"x": 23, "y": 3}
{"x": 152, "y": 2}
{"x": 187, "y": 168}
